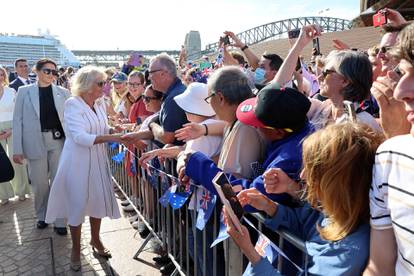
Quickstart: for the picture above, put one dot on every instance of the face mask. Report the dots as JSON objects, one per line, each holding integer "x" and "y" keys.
{"x": 259, "y": 76}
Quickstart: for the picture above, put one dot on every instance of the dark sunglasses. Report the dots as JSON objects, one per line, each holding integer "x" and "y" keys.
{"x": 48, "y": 71}
{"x": 326, "y": 72}
{"x": 100, "y": 83}
{"x": 148, "y": 99}
{"x": 383, "y": 50}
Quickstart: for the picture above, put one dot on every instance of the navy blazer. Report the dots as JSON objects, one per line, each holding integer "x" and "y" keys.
{"x": 16, "y": 84}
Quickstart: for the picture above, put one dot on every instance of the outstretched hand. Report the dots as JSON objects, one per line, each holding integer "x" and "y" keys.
{"x": 190, "y": 131}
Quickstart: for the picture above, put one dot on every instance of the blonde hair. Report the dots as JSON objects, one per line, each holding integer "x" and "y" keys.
{"x": 338, "y": 163}
{"x": 6, "y": 77}
{"x": 84, "y": 79}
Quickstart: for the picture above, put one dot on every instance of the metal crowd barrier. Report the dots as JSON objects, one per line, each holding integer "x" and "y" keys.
{"x": 171, "y": 228}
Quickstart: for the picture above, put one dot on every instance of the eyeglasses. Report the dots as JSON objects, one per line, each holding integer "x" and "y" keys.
{"x": 100, "y": 83}
{"x": 326, "y": 72}
{"x": 134, "y": 84}
{"x": 383, "y": 49}
{"x": 154, "y": 71}
{"x": 208, "y": 99}
{"x": 147, "y": 99}
{"x": 48, "y": 71}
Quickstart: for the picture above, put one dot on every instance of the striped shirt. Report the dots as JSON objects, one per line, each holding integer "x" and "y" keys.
{"x": 392, "y": 197}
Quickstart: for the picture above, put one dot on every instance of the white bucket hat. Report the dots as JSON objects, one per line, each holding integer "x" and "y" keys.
{"x": 192, "y": 100}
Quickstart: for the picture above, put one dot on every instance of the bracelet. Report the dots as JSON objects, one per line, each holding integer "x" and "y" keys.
{"x": 205, "y": 126}
{"x": 244, "y": 47}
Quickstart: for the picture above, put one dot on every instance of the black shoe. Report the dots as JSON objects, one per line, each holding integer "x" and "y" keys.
{"x": 41, "y": 224}
{"x": 167, "y": 269}
{"x": 161, "y": 260}
{"x": 62, "y": 231}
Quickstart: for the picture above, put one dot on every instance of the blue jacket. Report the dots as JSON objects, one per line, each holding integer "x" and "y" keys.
{"x": 344, "y": 257}
{"x": 285, "y": 154}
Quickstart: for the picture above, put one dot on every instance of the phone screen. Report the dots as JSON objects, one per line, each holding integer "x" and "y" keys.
{"x": 316, "y": 46}
{"x": 230, "y": 195}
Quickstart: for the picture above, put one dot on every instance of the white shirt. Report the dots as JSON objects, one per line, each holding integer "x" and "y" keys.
{"x": 392, "y": 197}
{"x": 7, "y": 104}
{"x": 24, "y": 81}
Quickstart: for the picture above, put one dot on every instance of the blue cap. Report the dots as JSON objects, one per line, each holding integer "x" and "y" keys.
{"x": 119, "y": 77}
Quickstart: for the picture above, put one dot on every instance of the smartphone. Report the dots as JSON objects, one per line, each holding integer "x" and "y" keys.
{"x": 315, "y": 42}
{"x": 135, "y": 59}
{"x": 379, "y": 19}
{"x": 226, "y": 40}
{"x": 294, "y": 33}
{"x": 227, "y": 190}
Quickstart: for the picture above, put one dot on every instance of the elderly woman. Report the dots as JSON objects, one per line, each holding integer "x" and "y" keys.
{"x": 334, "y": 220}
{"x": 82, "y": 186}
{"x": 20, "y": 184}
{"x": 347, "y": 75}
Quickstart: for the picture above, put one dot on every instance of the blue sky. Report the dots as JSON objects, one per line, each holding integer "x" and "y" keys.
{"x": 155, "y": 24}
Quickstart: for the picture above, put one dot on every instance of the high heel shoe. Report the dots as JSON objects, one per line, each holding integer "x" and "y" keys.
{"x": 75, "y": 265}
{"x": 101, "y": 252}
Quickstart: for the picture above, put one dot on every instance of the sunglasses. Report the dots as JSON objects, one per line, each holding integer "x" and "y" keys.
{"x": 326, "y": 72}
{"x": 100, "y": 83}
{"x": 383, "y": 49}
{"x": 147, "y": 99}
{"x": 48, "y": 71}
{"x": 208, "y": 99}
{"x": 134, "y": 84}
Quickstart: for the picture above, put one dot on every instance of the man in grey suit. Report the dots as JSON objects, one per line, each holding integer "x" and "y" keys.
{"x": 22, "y": 74}
{"x": 38, "y": 135}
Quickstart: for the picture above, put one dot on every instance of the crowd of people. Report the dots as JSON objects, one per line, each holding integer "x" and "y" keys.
{"x": 323, "y": 148}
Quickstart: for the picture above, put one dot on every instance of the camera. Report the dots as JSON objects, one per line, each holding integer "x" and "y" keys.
{"x": 225, "y": 40}
{"x": 379, "y": 19}
{"x": 293, "y": 33}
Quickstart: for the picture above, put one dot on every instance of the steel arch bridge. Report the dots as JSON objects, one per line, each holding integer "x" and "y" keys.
{"x": 278, "y": 28}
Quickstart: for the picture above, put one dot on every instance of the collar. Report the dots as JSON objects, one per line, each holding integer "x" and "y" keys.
{"x": 22, "y": 79}
{"x": 171, "y": 88}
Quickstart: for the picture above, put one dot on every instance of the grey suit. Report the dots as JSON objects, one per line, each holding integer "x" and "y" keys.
{"x": 39, "y": 148}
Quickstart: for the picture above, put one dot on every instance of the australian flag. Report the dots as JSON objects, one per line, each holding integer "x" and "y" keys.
{"x": 153, "y": 173}
{"x": 265, "y": 249}
{"x": 206, "y": 203}
{"x": 166, "y": 189}
{"x": 180, "y": 195}
{"x": 222, "y": 235}
{"x": 119, "y": 157}
{"x": 113, "y": 145}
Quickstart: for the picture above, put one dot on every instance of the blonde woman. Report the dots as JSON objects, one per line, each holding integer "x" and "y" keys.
{"x": 334, "y": 222}
{"x": 20, "y": 184}
{"x": 82, "y": 186}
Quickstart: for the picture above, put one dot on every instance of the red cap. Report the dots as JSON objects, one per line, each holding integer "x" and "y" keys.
{"x": 245, "y": 113}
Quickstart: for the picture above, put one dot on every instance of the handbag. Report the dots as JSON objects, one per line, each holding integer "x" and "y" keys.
{"x": 6, "y": 167}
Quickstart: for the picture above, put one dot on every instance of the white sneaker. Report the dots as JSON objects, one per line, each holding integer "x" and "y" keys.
{"x": 125, "y": 202}
{"x": 133, "y": 218}
{"x": 128, "y": 208}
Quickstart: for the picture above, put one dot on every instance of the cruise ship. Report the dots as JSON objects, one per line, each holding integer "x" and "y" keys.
{"x": 33, "y": 48}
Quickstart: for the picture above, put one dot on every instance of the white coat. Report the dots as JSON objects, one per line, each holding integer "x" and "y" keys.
{"x": 83, "y": 185}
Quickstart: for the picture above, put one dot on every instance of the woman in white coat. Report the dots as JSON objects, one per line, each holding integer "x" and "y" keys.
{"x": 82, "y": 185}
